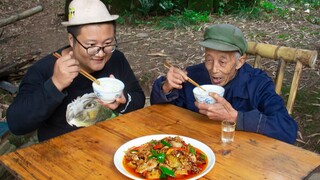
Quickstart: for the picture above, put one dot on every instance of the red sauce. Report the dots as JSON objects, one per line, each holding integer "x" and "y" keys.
{"x": 202, "y": 166}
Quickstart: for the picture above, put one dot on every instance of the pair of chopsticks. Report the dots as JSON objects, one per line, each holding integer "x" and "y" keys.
{"x": 83, "y": 72}
{"x": 168, "y": 65}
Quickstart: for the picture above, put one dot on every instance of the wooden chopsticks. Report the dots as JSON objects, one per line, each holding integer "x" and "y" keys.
{"x": 168, "y": 65}
{"x": 83, "y": 72}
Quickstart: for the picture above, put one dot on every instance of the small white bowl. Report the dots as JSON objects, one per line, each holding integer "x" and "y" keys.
{"x": 203, "y": 96}
{"x": 108, "y": 90}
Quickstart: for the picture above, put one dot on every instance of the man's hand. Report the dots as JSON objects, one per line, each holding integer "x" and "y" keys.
{"x": 221, "y": 110}
{"x": 115, "y": 104}
{"x": 175, "y": 78}
{"x": 65, "y": 70}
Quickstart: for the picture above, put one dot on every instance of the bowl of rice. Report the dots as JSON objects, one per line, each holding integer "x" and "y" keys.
{"x": 202, "y": 96}
{"x": 108, "y": 90}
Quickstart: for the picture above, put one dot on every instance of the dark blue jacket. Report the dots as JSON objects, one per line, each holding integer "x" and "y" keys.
{"x": 251, "y": 93}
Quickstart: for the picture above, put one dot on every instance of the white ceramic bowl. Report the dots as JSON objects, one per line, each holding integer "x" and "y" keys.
{"x": 203, "y": 96}
{"x": 108, "y": 90}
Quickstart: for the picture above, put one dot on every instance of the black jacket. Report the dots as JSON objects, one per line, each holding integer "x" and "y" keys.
{"x": 40, "y": 106}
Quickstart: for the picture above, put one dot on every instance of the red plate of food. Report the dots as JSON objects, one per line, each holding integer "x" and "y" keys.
{"x": 164, "y": 156}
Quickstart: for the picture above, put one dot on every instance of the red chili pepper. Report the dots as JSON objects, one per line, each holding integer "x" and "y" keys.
{"x": 158, "y": 146}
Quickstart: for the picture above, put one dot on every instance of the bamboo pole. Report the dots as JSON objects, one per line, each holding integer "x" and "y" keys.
{"x": 294, "y": 86}
{"x": 257, "y": 61}
{"x": 306, "y": 57}
{"x": 280, "y": 74}
{"x": 24, "y": 14}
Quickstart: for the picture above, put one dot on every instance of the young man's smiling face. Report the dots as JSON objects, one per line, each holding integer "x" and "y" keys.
{"x": 222, "y": 65}
{"x": 93, "y": 35}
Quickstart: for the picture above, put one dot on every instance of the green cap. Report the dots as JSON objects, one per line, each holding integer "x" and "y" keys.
{"x": 224, "y": 37}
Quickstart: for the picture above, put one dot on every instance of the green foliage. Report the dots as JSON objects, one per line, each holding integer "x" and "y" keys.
{"x": 221, "y": 8}
{"x": 200, "y": 6}
{"x": 268, "y": 6}
{"x": 172, "y": 6}
{"x": 242, "y": 8}
{"x": 282, "y": 13}
{"x": 172, "y": 12}
{"x": 195, "y": 17}
{"x": 187, "y": 18}
{"x": 266, "y": 9}
{"x": 166, "y": 5}
{"x": 176, "y": 20}
{"x": 120, "y": 20}
{"x": 146, "y": 6}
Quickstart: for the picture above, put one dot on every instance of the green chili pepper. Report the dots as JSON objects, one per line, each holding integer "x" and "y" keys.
{"x": 162, "y": 176}
{"x": 191, "y": 149}
{"x": 153, "y": 156}
{"x": 154, "y": 152}
{"x": 161, "y": 157}
{"x": 165, "y": 143}
{"x": 202, "y": 156}
{"x": 167, "y": 171}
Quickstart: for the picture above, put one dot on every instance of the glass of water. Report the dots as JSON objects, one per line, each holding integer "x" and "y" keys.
{"x": 227, "y": 131}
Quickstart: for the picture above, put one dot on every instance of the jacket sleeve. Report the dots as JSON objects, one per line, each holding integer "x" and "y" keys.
{"x": 159, "y": 97}
{"x": 270, "y": 118}
{"x": 36, "y": 100}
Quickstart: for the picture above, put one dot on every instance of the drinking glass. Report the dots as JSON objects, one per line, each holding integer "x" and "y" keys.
{"x": 227, "y": 131}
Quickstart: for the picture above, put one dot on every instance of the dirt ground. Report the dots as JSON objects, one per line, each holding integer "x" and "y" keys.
{"x": 147, "y": 48}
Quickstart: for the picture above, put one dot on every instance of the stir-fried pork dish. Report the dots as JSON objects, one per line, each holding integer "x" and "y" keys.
{"x": 165, "y": 158}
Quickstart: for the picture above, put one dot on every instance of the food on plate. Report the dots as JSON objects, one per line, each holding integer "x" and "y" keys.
{"x": 169, "y": 157}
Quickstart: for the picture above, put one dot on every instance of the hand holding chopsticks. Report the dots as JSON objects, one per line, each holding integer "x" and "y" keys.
{"x": 83, "y": 72}
{"x": 168, "y": 65}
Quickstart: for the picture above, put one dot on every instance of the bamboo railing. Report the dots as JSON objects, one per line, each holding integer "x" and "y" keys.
{"x": 301, "y": 57}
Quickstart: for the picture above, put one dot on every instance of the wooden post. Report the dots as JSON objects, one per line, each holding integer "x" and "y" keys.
{"x": 24, "y": 14}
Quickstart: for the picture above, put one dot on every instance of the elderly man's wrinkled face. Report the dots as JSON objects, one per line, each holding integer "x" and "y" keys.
{"x": 222, "y": 66}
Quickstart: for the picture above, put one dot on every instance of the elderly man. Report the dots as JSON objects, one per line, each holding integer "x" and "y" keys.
{"x": 55, "y": 99}
{"x": 249, "y": 100}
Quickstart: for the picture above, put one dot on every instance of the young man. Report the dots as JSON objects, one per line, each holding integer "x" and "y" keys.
{"x": 54, "y": 98}
{"x": 249, "y": 100}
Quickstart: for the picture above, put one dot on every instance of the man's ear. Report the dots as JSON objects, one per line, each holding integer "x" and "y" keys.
{"x": 70, "y": 39}
{"x": 241, "y": 61}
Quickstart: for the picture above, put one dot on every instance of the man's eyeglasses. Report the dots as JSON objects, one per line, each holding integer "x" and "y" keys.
{"x": 93, "y": 50}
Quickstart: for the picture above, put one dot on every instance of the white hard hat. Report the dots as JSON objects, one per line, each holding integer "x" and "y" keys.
{"x": 87, "y": 12}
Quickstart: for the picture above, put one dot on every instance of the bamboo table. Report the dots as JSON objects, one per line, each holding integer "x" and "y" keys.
{"x": 88, "y": 153}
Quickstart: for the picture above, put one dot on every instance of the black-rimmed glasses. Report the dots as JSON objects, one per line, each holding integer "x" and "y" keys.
{"x": 93, "y": 50}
